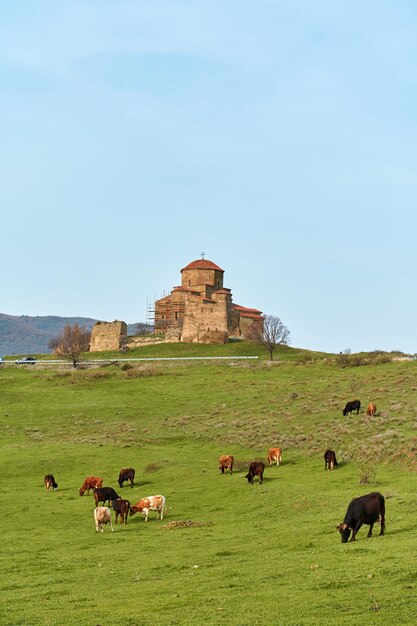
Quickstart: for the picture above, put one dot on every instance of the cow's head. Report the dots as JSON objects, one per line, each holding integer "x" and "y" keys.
{"x": 344, "y": 530}
{"x": 249, "y": 477}
{"x": 120, "y": 483}
{"x": 344, "y": 412}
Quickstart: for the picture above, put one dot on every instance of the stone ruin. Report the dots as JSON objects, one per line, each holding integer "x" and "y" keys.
{"x": 108, "y": 336}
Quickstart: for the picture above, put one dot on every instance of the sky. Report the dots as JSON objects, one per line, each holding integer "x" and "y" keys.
{"x": 279, "y": 137}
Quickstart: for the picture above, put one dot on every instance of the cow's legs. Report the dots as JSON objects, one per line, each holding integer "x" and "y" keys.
{"x": 382, "y": 522}
{"x": 355, "y": 530}
{"x": 370, "y": 530}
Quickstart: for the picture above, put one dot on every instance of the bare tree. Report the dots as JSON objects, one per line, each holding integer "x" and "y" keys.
{"x": 271, "y": 334}
{"x": 72, "y": 342}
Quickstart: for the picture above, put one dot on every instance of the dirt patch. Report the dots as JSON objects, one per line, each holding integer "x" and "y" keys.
{"x": 186, "y": 524}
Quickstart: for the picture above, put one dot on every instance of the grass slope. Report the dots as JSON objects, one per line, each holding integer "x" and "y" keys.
{"x": 266, "y": 554}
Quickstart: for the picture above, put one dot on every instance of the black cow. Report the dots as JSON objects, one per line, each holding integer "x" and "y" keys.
{"x": 256, "y": 468}
{"x": 367, "y": 509}
{"x": 354, "y": 405}
{"x": 128, "y": 473}
{"x": 101, "y": 494}
{"x": 330, "y": 461}
{"x": 49, "y": 481}
{"x": 121, "y": 507}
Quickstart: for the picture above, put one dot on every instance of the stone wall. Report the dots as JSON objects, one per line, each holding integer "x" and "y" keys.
{"x": 108, "y": 336}
{"x": 205, "y": 321}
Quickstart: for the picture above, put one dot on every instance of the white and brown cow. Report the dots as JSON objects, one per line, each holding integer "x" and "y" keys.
{"x": 150, "y": 503}
{"x": 274, "y": 455}
{"x": 102, "y": 516}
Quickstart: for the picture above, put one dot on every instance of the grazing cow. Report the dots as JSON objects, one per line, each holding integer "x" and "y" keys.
{"x": 256, "y": 468}
{"x": 274, "y": 454}
{"x": 354, "y": 405}
{"x": 226, "y": 463}
{"x": 89, "y": 483}
{"x": 101, "y": 494}
{"x": 121, "y": 507}
{"x": 102, "y": 516}
{"x": 330, "y": 461}
{"x": 128, "y": 473}
{"x": 371, "y": 409}
{"x": 367, "y": 509}
{"x": 151, "y": 503}
{"x": 49, "y": 481}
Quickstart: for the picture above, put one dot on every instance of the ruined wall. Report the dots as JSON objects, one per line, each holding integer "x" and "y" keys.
{"x": 108, "y": 336}
{"x": 205, "y": 321}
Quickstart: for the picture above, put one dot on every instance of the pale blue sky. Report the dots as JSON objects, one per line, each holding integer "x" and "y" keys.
{"x": 279, "y": 136}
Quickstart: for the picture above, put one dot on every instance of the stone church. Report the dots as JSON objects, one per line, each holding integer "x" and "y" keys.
{"x": 201, "y": 309}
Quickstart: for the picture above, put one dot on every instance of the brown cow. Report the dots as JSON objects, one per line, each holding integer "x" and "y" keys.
{"x": 226, "y": 463}
{"x": 127, "y": 473}
{"x": 274, "y": 454}
{"x": 121, "y": 507}
{"x": 256, "y": 468}
{"x": 330, "y": 461}
{"x": 371, "y": 409}
{"x": 151, "y": 503}
{"x": 89, "y": 483}
{"x": 49, "y": 481}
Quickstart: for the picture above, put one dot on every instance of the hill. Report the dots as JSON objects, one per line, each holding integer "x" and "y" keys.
{"x": 228, "y": 552}
{"x": 24, "y": 333}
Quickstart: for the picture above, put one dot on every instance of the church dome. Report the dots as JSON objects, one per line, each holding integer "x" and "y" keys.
{"x": 202, "y": 264}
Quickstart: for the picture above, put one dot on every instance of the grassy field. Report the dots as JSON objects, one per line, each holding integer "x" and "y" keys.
{"x": 258, "y": 554}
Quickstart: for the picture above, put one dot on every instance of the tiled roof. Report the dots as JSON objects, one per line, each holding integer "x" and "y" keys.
{"x": 244, "y": 309}
{"x": 202, "y": 264}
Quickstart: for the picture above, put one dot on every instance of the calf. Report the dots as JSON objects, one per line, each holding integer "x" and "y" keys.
{"x": 330, "y": 461}
{"x": 366, "y": 509}
{"x": 371, "y": 409}
{"x": 101, "y": 494}
{"x": 102, "y": 516}
{"x": 274, "y": 454}
{"x": 151, "y": 503}
{"x": 89, "y": 483}
{"x": 353, "y": 405}
{"x": 49, "y": 481}
{"x": 226, "y": 463}
{"x": 256, "y": 468}
{"x": 121, "y": 507}
{"x": 128, "y": 473}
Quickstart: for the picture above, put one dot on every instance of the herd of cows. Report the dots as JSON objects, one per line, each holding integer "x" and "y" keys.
{"x": 121, "y": 507}
{"x": 367, "y": 509}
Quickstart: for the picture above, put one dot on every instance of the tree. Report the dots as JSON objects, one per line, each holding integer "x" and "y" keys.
{"x": 72, "y": 342}
{"x": 272, "y": 333}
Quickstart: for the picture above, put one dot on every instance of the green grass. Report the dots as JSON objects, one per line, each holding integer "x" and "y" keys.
{"x": 267, "y": 554}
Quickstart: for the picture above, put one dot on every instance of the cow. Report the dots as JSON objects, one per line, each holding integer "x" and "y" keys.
{"x": 121, "y": 507}
{"x": 226, "y": 463}
{"x": 102, "y": 516}
{"x": 49, "y": 481}
{"x": 127, "y": 473}
{"x": 101, "y": 494}
{"x": 354, "y": 405}
{"x": 366, "y": 509}
{"x": 371, "y": 409}
{"x": 89, "y": 483}
{"x": 256, "y": 468}
{"x": 151, "y": 503}
{"x": 330, "y": 461}
{"x": 274, "y": 454}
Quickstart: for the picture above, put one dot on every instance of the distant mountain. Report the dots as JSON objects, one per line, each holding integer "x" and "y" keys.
{"x": 25, "y": 334}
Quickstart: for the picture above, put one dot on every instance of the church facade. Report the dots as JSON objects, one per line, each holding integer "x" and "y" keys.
{"x": 201, "y": 309}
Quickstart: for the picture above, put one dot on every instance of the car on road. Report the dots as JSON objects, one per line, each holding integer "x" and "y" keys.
{"x": 28, "y": 360}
